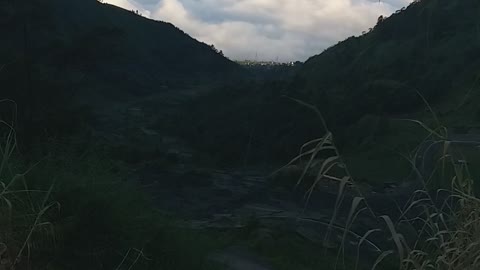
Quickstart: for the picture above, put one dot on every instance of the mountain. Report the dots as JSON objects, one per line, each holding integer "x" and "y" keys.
{"x": 101, "y": 38}
{"x": 431, "y": 47}
{"x": 54, "y": 52}
{"x": 362, "y": 85}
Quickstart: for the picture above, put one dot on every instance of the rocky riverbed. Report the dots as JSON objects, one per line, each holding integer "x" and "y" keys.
{"x": 206, "y": 197}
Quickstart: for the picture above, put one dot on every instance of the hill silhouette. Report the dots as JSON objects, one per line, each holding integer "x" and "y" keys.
{"x": 55, "y": 52}
{"x": 90, "y": 35}
{"x": 431, "y": 47}
{"x": 361, "y": 85}
{"x": 139, "y": 146}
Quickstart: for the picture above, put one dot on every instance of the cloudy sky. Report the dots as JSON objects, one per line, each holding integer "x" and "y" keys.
{"x": 283, "y": 30}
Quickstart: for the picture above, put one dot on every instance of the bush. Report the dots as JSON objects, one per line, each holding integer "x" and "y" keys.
{"x": 437, "y": 228}
{"x": 75, "y": 209}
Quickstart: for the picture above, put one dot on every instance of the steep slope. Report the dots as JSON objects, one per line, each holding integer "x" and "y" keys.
{"x": 432, "y": 47}
{"x": 87, "y": 34}
{"x": 53, "y": 52}
{"x": 361, "y": 85}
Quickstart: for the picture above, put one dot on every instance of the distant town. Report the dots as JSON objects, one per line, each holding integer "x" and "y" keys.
{"x": 267, "y": 63}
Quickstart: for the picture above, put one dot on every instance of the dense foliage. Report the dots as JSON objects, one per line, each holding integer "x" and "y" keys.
{"x": 429, "y": 47}
{"x": 362, "y": 83}
{"x": 83, "y": 202}
{"x": 57, "y": 58}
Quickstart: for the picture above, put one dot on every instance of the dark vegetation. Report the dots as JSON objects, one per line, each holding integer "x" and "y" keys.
{"x": 70, "y": 167}
{"x": 89, "y": 217}
{"x": 60, "y": 58}
{"x": 239, "y": 132}
{"x": 362, "y": 85}
{"x": 420, "y": 49}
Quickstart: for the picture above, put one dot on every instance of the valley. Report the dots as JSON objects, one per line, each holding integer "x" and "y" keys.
{"x": 128, "y": 144}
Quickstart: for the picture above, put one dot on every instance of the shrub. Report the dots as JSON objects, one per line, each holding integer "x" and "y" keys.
{"x": 439, "y": 226}
{"x": 75, "y": 209}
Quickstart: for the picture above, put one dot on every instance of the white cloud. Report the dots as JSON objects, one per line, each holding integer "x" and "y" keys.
{"x": 287, "y": 29}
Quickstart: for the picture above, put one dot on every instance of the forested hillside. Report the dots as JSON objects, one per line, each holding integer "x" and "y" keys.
{"x": 55, "y": 53}
{"x": 127, "y": 144}
{"x": 432, "y": 47}
{"x": 362, "y": 85}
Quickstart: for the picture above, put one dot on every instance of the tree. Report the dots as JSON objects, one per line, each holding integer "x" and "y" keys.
{"x": 216, "y": 50}
{"x": 380, "y": 19}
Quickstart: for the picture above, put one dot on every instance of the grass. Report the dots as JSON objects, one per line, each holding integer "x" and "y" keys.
{"x": 76, "y": 209}
{"x": 289, "y": 251}
{"x": 24, "y": 227}
{"x": 374, "y": 161}
{"x": 437, "y": 228}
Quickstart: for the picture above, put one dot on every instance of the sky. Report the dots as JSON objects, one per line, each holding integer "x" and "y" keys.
{"x": 268, "y": 30}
